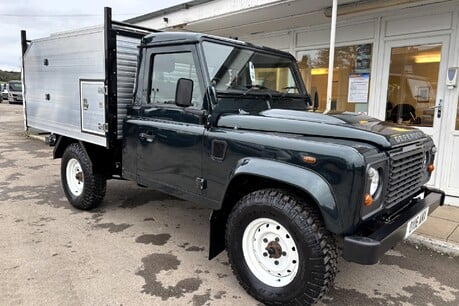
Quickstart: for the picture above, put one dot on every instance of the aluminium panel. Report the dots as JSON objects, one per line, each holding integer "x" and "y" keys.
{"x": 53, "y": 68}
{"x": 92, "y": 93}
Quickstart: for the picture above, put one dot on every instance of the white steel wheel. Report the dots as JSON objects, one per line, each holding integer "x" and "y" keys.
{"x": 270, "y": 252}
{"x": 83, "y": 187}
{"x": 75, "y": 177}
{"x": 279, "y": 249}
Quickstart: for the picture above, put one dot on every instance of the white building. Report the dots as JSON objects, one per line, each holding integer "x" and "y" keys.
{"x": 404, "y": 49}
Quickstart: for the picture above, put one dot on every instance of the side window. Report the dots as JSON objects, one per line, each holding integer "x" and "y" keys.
{"x": 167, "y": 68}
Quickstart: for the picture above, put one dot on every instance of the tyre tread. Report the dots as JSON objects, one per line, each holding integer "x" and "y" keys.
{"x": 95, "y": 184}
{"x": 309, "y": 220}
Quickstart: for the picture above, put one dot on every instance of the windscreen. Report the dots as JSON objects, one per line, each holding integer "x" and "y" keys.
{"x": 233, "y": 68}
{"x": 15, "y": 86}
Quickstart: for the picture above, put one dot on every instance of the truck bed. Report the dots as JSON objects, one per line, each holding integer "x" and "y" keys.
{"x": 79, "y": 83}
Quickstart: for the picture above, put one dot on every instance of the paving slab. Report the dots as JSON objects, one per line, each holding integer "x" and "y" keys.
{"x": 447, "y": 212}
{"x": 454, "y": 237}
{"x": 437, "y": 228}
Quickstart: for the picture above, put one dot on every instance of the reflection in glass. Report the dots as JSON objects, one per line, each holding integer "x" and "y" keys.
{"x": 412, "y": 87}
{"x": 168, "y": 68}
{"x": 351, "y": 63}
{"x": 237, "y": 69}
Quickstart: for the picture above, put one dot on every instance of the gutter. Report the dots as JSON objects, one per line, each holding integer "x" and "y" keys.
{"x": 168, "y": 10}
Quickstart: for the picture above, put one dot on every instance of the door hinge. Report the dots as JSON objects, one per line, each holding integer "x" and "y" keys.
{"x": 103, "y": 127}
{"x": 201, "y": 183}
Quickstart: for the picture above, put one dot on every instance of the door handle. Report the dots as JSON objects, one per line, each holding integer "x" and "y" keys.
{"x": 147, "y": 137}
{"x": 439, "y": 106}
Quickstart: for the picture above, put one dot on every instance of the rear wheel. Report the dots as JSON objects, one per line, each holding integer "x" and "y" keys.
{"x": 279, "y": 249}
{"x": 84, "y": 188}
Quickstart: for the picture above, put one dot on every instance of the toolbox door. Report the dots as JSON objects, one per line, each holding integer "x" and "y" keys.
{"x": 92, "y": 107}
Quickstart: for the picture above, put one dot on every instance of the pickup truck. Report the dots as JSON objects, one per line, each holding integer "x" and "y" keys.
{"x": 229, "y": 126}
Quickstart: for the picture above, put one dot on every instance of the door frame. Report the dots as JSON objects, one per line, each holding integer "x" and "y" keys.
{"x": 438, "y": 125}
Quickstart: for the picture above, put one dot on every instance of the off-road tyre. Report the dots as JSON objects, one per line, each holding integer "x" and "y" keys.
{"x": 92, "y": 191}
{"x": 317, "y": 253}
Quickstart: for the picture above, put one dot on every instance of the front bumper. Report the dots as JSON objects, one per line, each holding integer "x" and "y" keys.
{"x": 367, "y": 250}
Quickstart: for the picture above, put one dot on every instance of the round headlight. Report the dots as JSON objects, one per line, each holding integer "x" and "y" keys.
{"x": 374, "y": 178}
{"x": 425, "y": 159}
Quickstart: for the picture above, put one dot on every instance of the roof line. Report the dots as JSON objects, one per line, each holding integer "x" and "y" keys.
{"x": 168, "y": 10}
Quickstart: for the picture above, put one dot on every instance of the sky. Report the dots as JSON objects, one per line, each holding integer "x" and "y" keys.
{"x": 40, "y": 18}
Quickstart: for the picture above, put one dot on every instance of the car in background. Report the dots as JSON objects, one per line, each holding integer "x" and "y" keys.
{"x": 4, "y": 91}
{"x": 15, "y": 91}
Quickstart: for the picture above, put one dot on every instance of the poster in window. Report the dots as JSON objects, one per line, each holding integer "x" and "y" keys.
{"x": 363, "y": 59}
{"x": 358, "y": 88}
{"x": 423, "y": 94}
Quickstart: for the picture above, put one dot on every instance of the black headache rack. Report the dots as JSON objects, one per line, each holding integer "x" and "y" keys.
{"x": 112, "y": 30}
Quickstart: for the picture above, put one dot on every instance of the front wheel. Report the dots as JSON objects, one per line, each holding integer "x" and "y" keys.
{"x": 279, "y": 249}
{"x": 84, "y": 188}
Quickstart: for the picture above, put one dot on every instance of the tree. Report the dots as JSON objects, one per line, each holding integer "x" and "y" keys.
{"x": 6, "y": 76}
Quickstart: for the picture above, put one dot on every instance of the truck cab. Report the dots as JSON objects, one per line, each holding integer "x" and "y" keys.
{"x": 229, "y": 84}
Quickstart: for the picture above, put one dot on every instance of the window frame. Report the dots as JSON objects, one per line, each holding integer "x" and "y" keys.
{"x": 191, "y": 48}
{"x": 295, "y": 72}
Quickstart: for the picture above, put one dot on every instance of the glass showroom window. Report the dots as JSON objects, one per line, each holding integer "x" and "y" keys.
{"x": 351, "y": 77}
{"x": 412, "y": 86}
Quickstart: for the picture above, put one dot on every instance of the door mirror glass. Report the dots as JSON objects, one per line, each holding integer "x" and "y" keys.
{"x": 184, "y": 92}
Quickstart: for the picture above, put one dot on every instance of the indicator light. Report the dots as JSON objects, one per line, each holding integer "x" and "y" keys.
{"x": 368, "y": 200}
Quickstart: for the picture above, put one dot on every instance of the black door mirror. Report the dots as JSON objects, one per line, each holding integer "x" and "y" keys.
{"x": 184, "y": 92}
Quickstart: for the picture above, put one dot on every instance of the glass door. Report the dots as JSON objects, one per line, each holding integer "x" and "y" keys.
{"x": 413, "y": 84}
{"x": 451, "y": 149}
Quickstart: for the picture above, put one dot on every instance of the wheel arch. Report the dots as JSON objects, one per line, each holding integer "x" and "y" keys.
{"x": 253, "y": 174}
{"x": 61, "y": 144}
{"x": 101, "y": 159}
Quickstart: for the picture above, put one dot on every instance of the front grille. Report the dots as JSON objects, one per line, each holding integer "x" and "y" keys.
{"x": 406, "y": 173}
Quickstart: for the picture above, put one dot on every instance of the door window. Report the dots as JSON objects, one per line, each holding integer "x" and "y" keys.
{"x": 167, "y": 69}
{"x": 412, "y": 87}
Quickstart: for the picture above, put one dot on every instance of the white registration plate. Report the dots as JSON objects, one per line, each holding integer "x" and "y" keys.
{"x": 416, "y": 221}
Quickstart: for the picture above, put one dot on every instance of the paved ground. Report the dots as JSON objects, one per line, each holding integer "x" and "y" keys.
{"x": 144, "y": 247}
{"x": 443, "y": 225}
